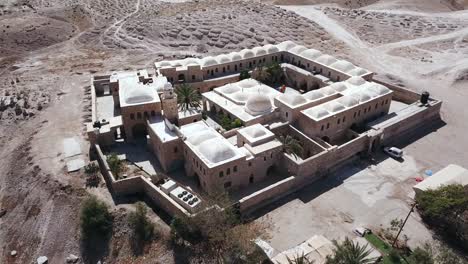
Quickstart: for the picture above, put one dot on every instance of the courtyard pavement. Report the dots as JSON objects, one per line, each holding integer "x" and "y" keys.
{"x": 360, "y": 194}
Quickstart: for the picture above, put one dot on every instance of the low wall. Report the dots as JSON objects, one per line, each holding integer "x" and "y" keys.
{"x": 399, "y": 93}
{"x": 139, "y": 184}
{"x": 393, "y": 132}
{"x": 267, "y": 195}
{"x": 93, "y": 103}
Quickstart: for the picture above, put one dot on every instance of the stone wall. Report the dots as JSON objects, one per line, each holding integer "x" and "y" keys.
{"x": 399, "y": 93}
{"x": 136, "y": 185}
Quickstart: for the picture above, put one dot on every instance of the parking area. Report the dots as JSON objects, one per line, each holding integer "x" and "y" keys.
{"x": 360, "y": 194}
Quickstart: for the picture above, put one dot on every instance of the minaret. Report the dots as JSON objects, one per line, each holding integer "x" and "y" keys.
{"x": 169, "y": 103}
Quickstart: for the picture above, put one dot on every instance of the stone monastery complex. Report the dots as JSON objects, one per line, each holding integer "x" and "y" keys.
{"x": 335, "y": 110}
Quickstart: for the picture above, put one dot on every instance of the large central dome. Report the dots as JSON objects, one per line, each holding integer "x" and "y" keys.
{"x": 139, "y": 94}
{"x": 258, "y": 104}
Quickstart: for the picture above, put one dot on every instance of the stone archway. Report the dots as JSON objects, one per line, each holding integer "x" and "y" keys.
{"x": 139, "y": 131}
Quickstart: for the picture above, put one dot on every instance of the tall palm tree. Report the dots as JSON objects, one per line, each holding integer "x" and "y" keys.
{"x": 299, "y": 259}
{"x": 291, "y": 145}
{"x": 187, "y": 97}
{"x": 275, "y": 72}
{"x": 261, "y": 74}
{"x": 349, "y": 252}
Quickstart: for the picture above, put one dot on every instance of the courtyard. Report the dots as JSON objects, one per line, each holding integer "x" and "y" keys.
{"x": 360, "y": 194}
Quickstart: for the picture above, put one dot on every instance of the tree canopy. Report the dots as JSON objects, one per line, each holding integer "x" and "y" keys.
{"x": 95, "y": 219}
{"x": 187, "y": 97}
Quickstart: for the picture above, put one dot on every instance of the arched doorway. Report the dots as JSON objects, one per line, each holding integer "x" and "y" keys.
{"x": 139, "y": 131}
{"x": 271, "y": 170}
{"x": 181, "y": 78}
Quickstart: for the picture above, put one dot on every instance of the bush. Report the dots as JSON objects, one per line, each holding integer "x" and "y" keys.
{"x": 394, "y": 256}
{"x": 115, "y": 164}
{"x": 95, "y": 219}
{"x": 143, "y": 229}
{"x": 244, "y": 74}
{"x": 422, "y": 256}
{"x": 236, "y": 123}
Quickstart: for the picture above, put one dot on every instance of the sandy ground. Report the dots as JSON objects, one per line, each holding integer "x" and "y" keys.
{"x": 50, "y": 49}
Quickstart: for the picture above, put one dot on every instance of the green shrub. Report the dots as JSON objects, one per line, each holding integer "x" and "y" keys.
{"x": 143, "y": 229}
{"x": 116, "y": 165}
{"x": 95, "y": 219}
{"x": 244, "y": 74}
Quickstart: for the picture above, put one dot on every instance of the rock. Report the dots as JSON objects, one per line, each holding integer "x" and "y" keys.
{"x": 72, "y": 258}
{"x": 13, "y": 253}
{"x": 42, "y": 260}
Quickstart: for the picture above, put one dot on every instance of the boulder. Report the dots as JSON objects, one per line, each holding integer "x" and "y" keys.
{"x": 72, "y": 258}
{"x": 13, "y": 253}
{"x": 42, "y": 260}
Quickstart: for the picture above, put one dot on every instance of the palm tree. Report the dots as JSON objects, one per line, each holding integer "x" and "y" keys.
{"x": 187, "y": 97}
{"x": 275, "y": 72}
{"x": 291, "y": 145}
{"x": 261, "y": 74}
{"x": 299, "y": 259}
{"x": 349, "y": 252}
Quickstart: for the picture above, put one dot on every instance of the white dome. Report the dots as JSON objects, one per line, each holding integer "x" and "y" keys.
{"x": 215, "y": 150}
{"x": 327, "y": 90}
{"x": 270, "y": 48}
{"x": 246, "y": 53}
{"x": 348, "y": 101}
{"x": 314, "y": 95}
{"x": 379, "y": 89}
{"x": 139, "y": 94}
{"x": 317, "y": 112}
{"x": 286, "y": 45}
{"x": 362, "y": 97}
{"x": 356, "y": 80}
{"x": 176, "y": 63}
{"x": 292, "y": 99}
{"x": 164, "y": 64}
{"x": 258, "y": 104}
{"x": 240, "y": 97}
{"x": 298, "y": 49}
{"x": 311, "y": 54}
{"x": 248, "y": 83}
{"x": 255, "y": 131}
{"x": 259, "y": 51}
{"x": 235, "y": 56}
{"x": 223, "y": 58}
{"x": 208, "y": 61}
{"x": 229, "y": 89}
{"x": 190, "y": 61}
{"x": 326, "y": 60}
{"x": 333, "y": 107}
{"x": 343, "y": 66}
{"x": 200, "y": 137}
{"x": 357, "y": 71}
{"x": 339, "y": 87}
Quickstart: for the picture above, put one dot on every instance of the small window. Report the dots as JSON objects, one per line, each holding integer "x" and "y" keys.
{"x": 224, "y": 69}
{"x": 208, "y": 72}
{"x": 240, "y": 64}
{"x": 263, "y": 59}
{"x": 229, "y": 67}
{"x": 235, "y": 169}
{"x": 328, "y": 125}
{"x": 132, "y": 116}
{"x": 221, "y": 174}
{"x": 216, "y": 70}
{"x": 344, "y": 119}
{"x": 251, "y": 178}
{"x": 227, "y": 185}
{"x": 368, "y": 109}
{"x": 286, "y": 114}
{"x": 322, "y": 128}
{"x": 365, "y": 110}
{"x": 138, "y": 115}
{"x": 228, "y": 171}
{"x": 193, "y": 77}
{"x": 271, "y": 155}
{"x": 386, "y": 101}
{"x": 359, "y": 113}
{"x": 338, "y": 121}
{"x": 376, "y": 105}
{"x": 212, "y": 73}
{"x": 354, "y": 114}
{"x": 382, "y": 103}
{"x": 175, "y": 150}
{"x": 264, "y": 158}
{"x": 250, "y": 164}
{"x": 308, "y": 65}
{"x": 235, "y": 67}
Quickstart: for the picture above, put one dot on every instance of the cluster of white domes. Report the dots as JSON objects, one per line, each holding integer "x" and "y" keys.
{"x": 292, "y": 99}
